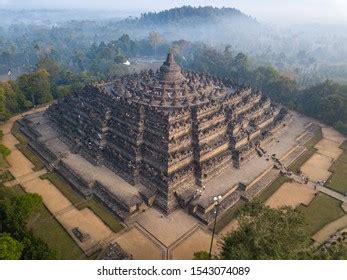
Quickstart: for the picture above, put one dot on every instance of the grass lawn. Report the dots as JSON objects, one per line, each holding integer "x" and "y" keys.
{"x": 18, "y": 134}
{"x": 338, "y": 179}
{"x": 30, "y": 155}
{"x": 10, "y": 192}
{"x": 46, "y": 227}
{"x": 271, "y": 189}
{"x": 64, "y": 187}
{"x": 322, "y": 210}
{"x": 103, "y": 213}
{"x": 3, "y": 163}
{"x": 6, "y": 176}
{"x": 228, "y": 216}
{"x": 76, "y": 199}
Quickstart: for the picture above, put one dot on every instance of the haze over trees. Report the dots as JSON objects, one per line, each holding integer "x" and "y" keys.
{"x": 303, "y": 67}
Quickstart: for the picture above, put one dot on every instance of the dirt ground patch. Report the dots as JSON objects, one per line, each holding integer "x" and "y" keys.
{"x": 200, "y": 240}
{"x": 331, "y": 134}
{"x": 67, "y": 214}
{"x": 329, "y": 148}
{"x": 10, "y": 141}
{"x": 134, "y": 242}
{"x": 317, "y": 167}
{"x": 20, "y": 165}
{"x": 291, "y": 194}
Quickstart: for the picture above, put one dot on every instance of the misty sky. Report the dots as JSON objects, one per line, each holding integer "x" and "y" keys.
{"x": 267, "y": 10}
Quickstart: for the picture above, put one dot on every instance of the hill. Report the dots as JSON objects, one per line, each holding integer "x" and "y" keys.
{"x": 206, "y": 24}
{"x": 189, "y": 14}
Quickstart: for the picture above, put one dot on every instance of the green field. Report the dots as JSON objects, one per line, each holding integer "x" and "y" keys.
{"x": 6, "y": 176}
{"x": 76, "y": 199}
{"x": 3, "y": 163}
{"x": 10, "y": 192}
{"x": 46, "y": 227}
{"x": 322, "y": 210}
{"x": 338, "y": 180}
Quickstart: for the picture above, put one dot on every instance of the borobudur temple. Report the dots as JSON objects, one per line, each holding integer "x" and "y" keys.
{"x": 168, "y": 131}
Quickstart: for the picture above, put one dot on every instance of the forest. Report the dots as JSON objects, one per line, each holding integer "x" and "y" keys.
{"x": 50, "y": 61}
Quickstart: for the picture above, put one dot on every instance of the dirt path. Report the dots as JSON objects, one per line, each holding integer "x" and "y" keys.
{"x": 330, "y": 229}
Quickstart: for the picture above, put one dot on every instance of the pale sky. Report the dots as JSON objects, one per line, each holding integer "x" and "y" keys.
{"x": 265, "y": 10}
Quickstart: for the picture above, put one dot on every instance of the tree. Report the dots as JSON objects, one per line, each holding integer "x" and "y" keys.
{"x": 36, "y": 249}
{"x": 36, "y": 86}
{"x": 49, "y": 65}
{"x": 3, "y": 113}
{"x": 15, "y": 211}
{"x": 156, "y": 40}
{"x": 10, "y": 248}
{"x": 4, "y": 151}
{"x": 14, "y": 100}
{"x": 266, "y": 233}
{"x": 201, "y": 255}
{"x": 333, "y": 252}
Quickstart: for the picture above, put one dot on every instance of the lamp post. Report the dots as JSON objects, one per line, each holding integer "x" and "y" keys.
{"x": 216, "y": 200}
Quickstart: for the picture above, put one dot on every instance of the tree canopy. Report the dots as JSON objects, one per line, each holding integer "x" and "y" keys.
{"x": 10, "y": 248}
{"x": 326, "y": 101}
{"x": 14, "y": 213}
{"x": 266, "y": 233}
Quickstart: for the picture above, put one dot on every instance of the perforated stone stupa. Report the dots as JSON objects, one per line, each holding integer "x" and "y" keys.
{"x": 169, "y": 131}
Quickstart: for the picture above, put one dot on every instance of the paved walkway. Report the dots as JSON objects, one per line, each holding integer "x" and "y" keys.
{"x": 320, "y": 188}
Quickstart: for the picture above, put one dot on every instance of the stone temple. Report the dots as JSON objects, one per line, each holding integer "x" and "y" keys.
{"x": 167, "y": 134}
